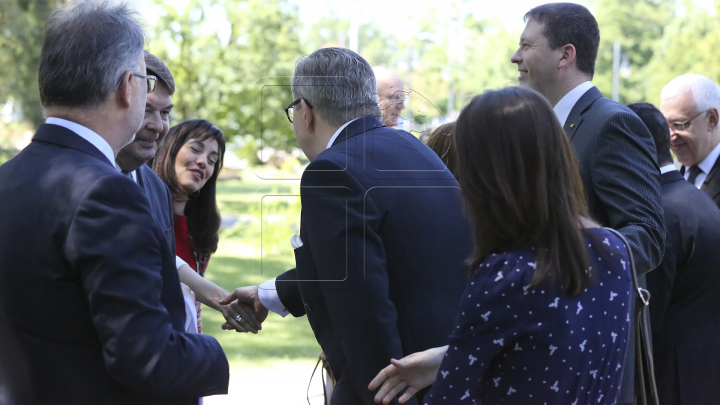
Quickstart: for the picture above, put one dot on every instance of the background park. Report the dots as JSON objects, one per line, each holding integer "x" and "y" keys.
{"x": 232, "y": 59}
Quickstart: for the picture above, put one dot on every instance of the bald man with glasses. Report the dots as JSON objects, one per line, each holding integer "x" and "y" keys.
{"x": 690, "y": 104}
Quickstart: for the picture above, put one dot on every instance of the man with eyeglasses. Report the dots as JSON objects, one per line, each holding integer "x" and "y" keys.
{"x": 390, "y": 93}
{"x": 97, "y": 308}
{"x": 690, "y": 104}
{"x": 380, "y": 258}
{"x": 683, "y": 288}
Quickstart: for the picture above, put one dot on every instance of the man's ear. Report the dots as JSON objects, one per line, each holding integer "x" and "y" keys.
{"x": 713, "y": 118}
{"x": 123, "y": 94}
{"x": 308, "y": 116}
{"x": 569, "y": 53}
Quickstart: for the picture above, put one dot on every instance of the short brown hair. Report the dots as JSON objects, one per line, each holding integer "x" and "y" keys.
{"x": 569, "y": 23}
{"x": 442, "y": 142}
{"x": 156, "y": 67}
{"x": 522, "y": 184}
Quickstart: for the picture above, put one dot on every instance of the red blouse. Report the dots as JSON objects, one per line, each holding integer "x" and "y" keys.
{"x": 184, "y": 250}
{"x": 182, "y": 241}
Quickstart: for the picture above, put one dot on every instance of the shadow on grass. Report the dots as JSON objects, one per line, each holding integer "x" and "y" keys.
{"x": 286, "y": 338}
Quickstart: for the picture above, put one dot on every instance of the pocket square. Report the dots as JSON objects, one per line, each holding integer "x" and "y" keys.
{"x": 295, "y": 241}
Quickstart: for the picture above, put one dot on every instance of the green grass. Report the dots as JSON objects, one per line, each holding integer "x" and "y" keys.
{"x": 238, "y": 262}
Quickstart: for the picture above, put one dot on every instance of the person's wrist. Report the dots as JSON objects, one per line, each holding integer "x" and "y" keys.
{"x": 215, "y": 300}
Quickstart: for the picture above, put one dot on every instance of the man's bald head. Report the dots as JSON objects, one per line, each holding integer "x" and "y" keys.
{"x": 391, "y": 94}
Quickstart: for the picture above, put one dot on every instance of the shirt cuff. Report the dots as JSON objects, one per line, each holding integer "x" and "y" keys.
{"x": 267, "y": 293}
{"x": 179, "y": 262}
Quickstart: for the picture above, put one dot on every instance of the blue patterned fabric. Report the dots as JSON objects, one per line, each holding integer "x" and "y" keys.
{"x": 515, "y": 344}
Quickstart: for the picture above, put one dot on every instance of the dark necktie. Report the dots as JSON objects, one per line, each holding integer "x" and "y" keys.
{"x": 694, "y": 172}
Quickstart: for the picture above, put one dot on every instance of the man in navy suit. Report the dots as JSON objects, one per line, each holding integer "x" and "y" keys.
{"x": 383, "y": 238}
{"x": 96, "y": 303}
{"x": 616, "y": 152}
{"x": 685, "y": 304}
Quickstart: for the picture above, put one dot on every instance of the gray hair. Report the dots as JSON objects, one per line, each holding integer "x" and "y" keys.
{"x": 88, "y": 46}
{"x": 338, "y": 83}
{"x": 704, "y": 91}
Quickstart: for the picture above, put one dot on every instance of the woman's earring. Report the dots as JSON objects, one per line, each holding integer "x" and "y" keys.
{"x": 195, "y": 194}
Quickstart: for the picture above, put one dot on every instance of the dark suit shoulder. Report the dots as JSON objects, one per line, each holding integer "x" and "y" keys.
{"x": 687, "y": 200}
{"x": 150, "y": 176}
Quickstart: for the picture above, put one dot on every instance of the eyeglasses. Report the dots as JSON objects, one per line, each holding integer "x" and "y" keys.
{"x": 289, "y": 110}
{"x": 398, "y": 97}
{"x": 151, "y": 81}
{"x": 682, "y": 126}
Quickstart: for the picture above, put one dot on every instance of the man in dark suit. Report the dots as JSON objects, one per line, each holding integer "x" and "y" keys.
{"x": 132, "y": 161}
{"x": 616, "y": 153}
{"x": 132, "y": 158}
{"x": 685, "y": 304}
{"x": 104, "y": 319}
{"x": 690, "y": 104}
{"x": 380, "y": 257}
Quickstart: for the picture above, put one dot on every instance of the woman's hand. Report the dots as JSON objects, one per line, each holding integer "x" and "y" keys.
{"x": 415, "y": 372}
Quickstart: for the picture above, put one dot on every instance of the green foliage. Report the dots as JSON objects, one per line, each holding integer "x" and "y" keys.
{"x": 219, "y": 52}
{"x": 689, "y": 45}
{"x": 638, "y": 25}
{"x": 21, "y": 39}
{"x": 6, "y": 152}
{"x": 376, "y": 46}
{"x": 457, "y": 54}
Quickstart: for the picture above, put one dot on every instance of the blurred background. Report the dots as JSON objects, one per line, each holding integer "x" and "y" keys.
{"x": 232, "y": 59}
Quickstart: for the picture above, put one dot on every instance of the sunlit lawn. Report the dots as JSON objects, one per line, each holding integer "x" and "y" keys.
{"x": 238, "y": 263}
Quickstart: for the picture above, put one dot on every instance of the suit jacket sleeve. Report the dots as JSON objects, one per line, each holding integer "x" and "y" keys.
{"x": 660, "y": 281}
{"x": 116, "y": 254}
{"x": 289, "y": 293}
{"x": 627, "y": 181}
{"x": 340, "y": 226}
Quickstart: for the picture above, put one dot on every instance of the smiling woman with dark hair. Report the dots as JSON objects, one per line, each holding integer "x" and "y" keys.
{"x": 189, "y": 161}
{"x": 544, "y": 317}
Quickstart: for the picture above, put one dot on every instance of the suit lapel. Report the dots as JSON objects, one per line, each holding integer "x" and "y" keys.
{"x": 62, "y": 136}
{"x": 575, "y": 118}
{"x": 709, "y": 186}
{"x": 139, "y": 177}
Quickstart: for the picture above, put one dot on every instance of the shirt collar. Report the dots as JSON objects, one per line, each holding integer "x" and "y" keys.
{"x": 707, "y": 164}
{"x": 667, "y": 168}
{"x": 334, "y": 137}
{"x": 87, "y": 134}
{"x": 566, "y": 104}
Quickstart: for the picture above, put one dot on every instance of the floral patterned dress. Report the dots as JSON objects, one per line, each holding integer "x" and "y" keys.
{"x": 513, "y": 344}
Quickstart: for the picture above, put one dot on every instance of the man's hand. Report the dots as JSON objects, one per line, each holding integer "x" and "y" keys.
{"x": 415, "y": 371}
{"x": 245, "y": 302}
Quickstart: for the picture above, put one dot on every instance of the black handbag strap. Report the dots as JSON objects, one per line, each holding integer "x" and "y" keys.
{"x": 648, "y": 394}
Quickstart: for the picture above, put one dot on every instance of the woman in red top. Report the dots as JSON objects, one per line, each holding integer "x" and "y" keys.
{"x": 188, "y": 161}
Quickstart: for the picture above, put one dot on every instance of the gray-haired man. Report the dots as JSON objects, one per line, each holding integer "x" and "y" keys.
{"x": 390, "y": 94}
{"x": 97, "y": 306}
{"x": 380, "y": 256}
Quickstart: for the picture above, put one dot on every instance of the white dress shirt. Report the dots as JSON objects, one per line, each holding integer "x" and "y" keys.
{"x": 267, "y": 293}
{"x": 667, "y": 168}
{"x": 706, "y": 165}
{"x": 566, "y": 104}
{"x": 87, "y": 134}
